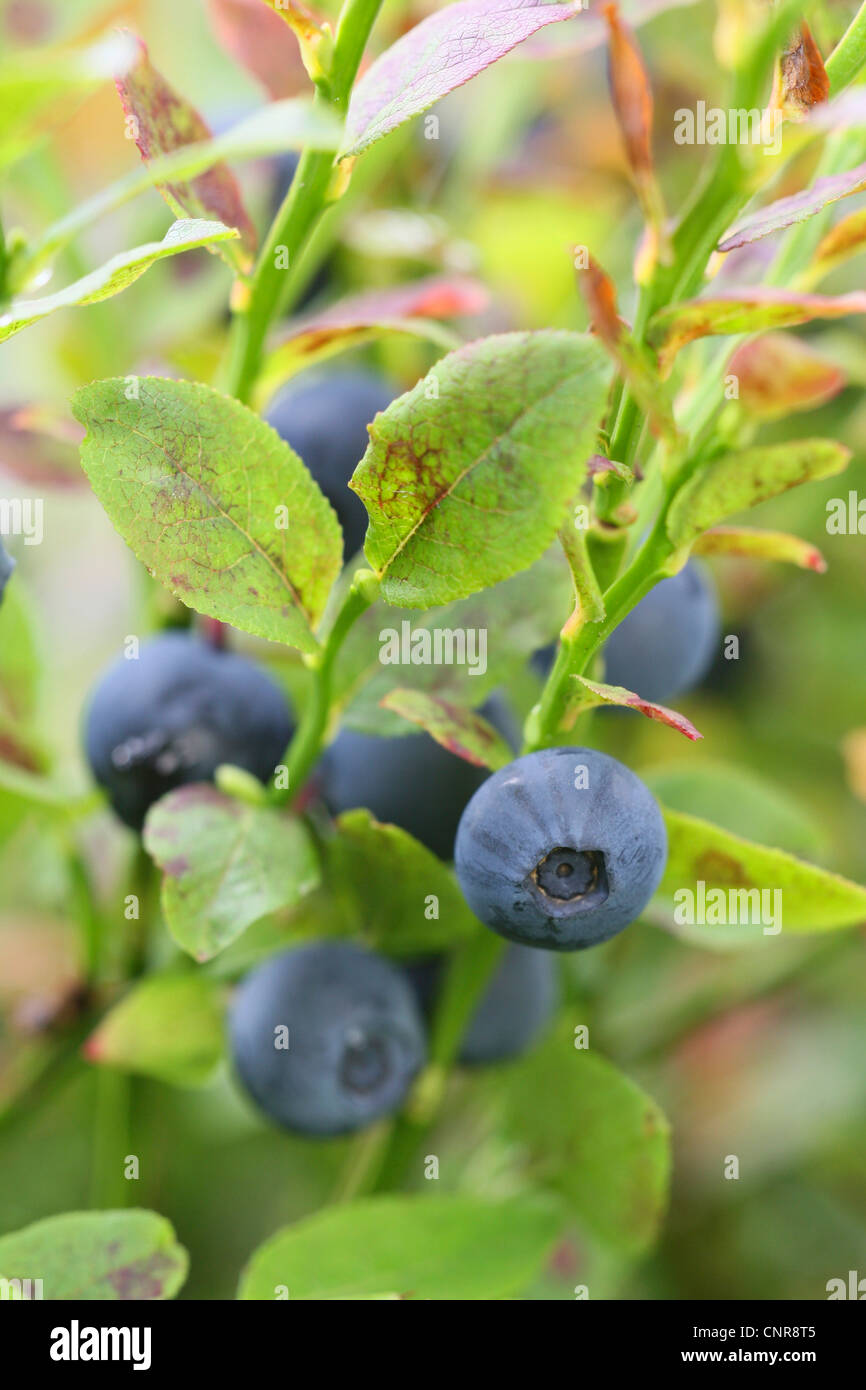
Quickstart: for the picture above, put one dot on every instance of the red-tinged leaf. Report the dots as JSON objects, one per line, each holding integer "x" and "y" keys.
{"x": 461, "y": 731}
{"x": 616, "y": 695}
{"x": 778, "y": 373}
{"x": 161, "y": 121}
{"x": 259, "y": 40}
{"x": 761, "y": 545}
{"x": 797, "y": 208}
{"x": 630, "y": 92}
{"x": 803, "y": 78}
{"x": 635, "y": 363}
{"x": 742, "y": 311}
{"x": 34, "y": 450}
{"x": 411, "y": 308}
{"x": 445, "y": 50}
{"x": 844, "y": 240}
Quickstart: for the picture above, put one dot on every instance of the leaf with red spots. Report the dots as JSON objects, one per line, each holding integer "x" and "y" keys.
{"x": 213, "y": 502}
{"x": 599, "y": 694}
{"x": 94, "y": 1256}
{"x": 168, "y": 1026}
{"x": 467, "y": 477}
{"x": 161, "y": 121}
{"x": 461, "y": 731}
{"x": 742, "y": 311}
{"x": 226, "y": 864}
{"x": 779, "y": 373}
{"x": 413, "y": 308}
{"x": 445, "y": 50}
{"x": 760, "y": 545}
{"x": 260, "y": 41}
{"x": 735, "y": 482}
{"x": 812, "y": 899}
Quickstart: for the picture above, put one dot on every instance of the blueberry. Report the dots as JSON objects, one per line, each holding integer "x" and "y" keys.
{"x": 7, "y": 565}
{"x": 518, "y": 1002}
{"x": 561, "y": 849}
{"x": 355, "y": 1038}
{"x": 174, "y": 714}
{"x": 665, "y": 646}
{"x": 325, "y": 420}
{"x": 410, "y": 781}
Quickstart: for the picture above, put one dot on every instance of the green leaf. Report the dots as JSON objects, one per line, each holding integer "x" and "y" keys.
{"x": 114, "y": 276}
{"x": 386, "y": 880}
{"x": 594, "y": 1136}
{"x": 778, "y": 373}
{"x": 798, "y": 897}
{"x": 736, "y": 482}
{"x": 737, "y": 800}
{"x": 525, "y": 612}
{"x": 169, "y": 1027}
{"x": 96, "y": 1256}
{"x": 597, "y": 694}
{"x": 761, "y": 545}
{"x": 161, "y": 121}
{"x": 467, "y": 476}
{"x": 226, "y": 864}
{"x": 742, "y": 311}
{"x": 415, "y": 1247}
{"x": 463, "y": 732}
{"x": 195, "y": 483}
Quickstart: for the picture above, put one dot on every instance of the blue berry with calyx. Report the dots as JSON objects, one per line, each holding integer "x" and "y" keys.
{"x": 561, "y": 849}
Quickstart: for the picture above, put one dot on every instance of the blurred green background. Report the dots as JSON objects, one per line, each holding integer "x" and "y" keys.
{"x": 757, "y": 1053}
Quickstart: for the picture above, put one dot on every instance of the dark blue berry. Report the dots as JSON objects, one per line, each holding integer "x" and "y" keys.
{"x": 561, "y": 849}
{"x": 354, "y": 1034}
{"x": 175, "y": 713}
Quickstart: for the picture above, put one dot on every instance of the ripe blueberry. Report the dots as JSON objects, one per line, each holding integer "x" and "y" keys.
{"x": 411, "y": 781}
{"x": 562, "y": 849}
{"x": 517, "y": 1004}
{"x": 665, "y": 646}
{"x": 325, "y": 421}
{"x": 173, "y": 715}
{"x": 327, "y": 1038}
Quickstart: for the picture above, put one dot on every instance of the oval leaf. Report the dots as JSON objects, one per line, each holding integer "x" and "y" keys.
{"x": 261, "y": 43}
{"x": 97, "y": 1256}
{"x": 449, "y": 1247}
{"x": 761, "y": 545}
{"x": 810, "y": 898}
{"x": 161, "y": 121}
{"x": 115, "y": 275}
{"x": 735, "y": 482}
{"x": 467, "y": 483}
{"x": 617, "y": 695}
{"x": 604, "y": 1145}
{"x": 779, "y": 373}
{"x": 442, "y": 52}
{"x": 194, "y": 481}
{"x": 169, "y": 1027}
{"x": 226, "y": 864}
{"x": 797, "y": 208}
{"x": 463, "y": 732}
{"x": 742, "y": 311}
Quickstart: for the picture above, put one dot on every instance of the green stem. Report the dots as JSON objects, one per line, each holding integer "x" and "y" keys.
{"x": 302, "y": 208}
{"x": 86, "y": 912}
{"x": 849, "y": 55}
{"x": 309, "y": 737}
{"x": 108, "y": 1187}
{"x": 468, "y": 975}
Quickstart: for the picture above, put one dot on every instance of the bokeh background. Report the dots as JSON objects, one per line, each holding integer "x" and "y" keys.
{"x": 756, "y": 1052}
